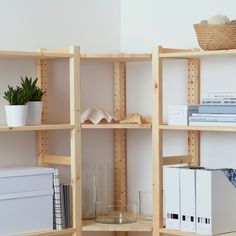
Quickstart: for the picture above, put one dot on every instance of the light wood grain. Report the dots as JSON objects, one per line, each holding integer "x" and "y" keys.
{"x": 57, "y": 160}
{"x": 75, "y": 142}
{"x": 119, "y": 57}
{"x": 135, "y": 227}
{"x": 200, "y": 128}
{"x": 193, "y": 54}
{"x": 116, "y": 126}
{"x": 157, "y": 139}
{"x": 42, "y": 136}
{"x": 37, "y": 127}
{"x": 182, "y": 233}
{"x": 194, "y": 98}
{"x": 51, "y": 233}
{"x": 120, "y": 154}
{"x": 178, "y": 232}
{"x": 172, "y": 160}
{"x": 34, "y": 55}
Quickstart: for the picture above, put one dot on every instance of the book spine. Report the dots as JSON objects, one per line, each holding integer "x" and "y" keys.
{"x": 221, "y": 95}
{"x": 67, "y": 205}
{"x": 214, "y": 119}
{"x": 209, "y": 123}
{"x": 218, "y": 102}
{"x": 213, "y": 115}
{"x": 222, "y": 109}
{"x": 57, "y": 209}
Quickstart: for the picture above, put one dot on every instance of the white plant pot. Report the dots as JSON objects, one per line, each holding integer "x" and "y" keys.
{"x": 16, "y": 115}
{"x": 34, "y": 113}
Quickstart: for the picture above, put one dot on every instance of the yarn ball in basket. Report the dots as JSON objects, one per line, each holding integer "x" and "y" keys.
{"x": 218, "y": 20}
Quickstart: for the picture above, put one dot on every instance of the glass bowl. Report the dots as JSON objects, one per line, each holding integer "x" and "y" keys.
{"x": 116, "y": 212}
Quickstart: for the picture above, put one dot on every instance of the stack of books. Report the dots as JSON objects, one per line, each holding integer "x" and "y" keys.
{"x": 216, "y": 109}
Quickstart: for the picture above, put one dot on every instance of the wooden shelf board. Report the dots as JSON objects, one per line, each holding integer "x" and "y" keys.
{"x": 57, "y": 160}
{"x": 69, "y": 231}
{"x": 37, "y": 127}
{"x": 34, "y": 55}
{"x": 116, "y": 126}
{"x": 177, "y": 232}
{"x": 182, "y": 233}
{"x": 197, "y": 53}
{"x": 116, "y": 57}
{"x": 138, "y": 226}
{"x": 200, "y": 128}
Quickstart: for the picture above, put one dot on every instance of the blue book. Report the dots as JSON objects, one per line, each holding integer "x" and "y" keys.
{"x": 220, "y": 109}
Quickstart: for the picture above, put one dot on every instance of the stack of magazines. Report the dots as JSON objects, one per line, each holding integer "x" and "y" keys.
{"x": 216, "y": 109}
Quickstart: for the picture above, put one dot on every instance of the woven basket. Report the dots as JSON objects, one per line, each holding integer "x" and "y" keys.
{"x": 216, "y": 37}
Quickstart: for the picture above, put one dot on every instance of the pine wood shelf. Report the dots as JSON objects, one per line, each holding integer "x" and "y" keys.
{"x": 116, "y": 126}
{"x": 198, "y": 128}
{"x": 193, "y": 53}
{"x": 44, "y": 158}
{"x": 121, "y": 57}
{"x": 35, "y": 55}
{"x": 69, "y": 231}
{"x": 181, "y": 233}
{"x": 37, "y": 127}
{"x": 135, "y": 227}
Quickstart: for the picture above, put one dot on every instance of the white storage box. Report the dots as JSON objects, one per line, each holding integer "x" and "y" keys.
{"x": 188, "y": 199}
{"x": 179, "y": 114}
{"x": 26, "y": 200}
{"x": 215, "y": 202}
{"x": 172, "y": 197}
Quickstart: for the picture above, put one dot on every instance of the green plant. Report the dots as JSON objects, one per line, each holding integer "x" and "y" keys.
{"x": 15, "y": 96}
{"x": 31, "y": 89}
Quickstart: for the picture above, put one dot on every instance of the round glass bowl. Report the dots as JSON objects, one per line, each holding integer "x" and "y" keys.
{"x": 116, "y": 212}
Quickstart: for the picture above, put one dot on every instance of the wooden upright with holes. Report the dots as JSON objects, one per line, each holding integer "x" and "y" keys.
{"x": 74, "y": 160}
{"x": 120, "y": 171}
{"x": 194, "y": 98}
{"x": 42, "y": 75}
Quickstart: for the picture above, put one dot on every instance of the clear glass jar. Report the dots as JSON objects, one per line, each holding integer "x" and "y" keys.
{"x": 145, "y": 205}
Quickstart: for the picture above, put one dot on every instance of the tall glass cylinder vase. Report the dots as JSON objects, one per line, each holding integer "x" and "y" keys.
{"x": 89, "y": 192}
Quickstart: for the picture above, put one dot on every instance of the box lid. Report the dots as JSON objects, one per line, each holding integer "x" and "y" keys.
{"x": 183, "y": 107}
{"x": 24, "y": 171}
{"x": 8, "y": 196}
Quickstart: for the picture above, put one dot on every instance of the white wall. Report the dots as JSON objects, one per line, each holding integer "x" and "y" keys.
{"x": 166, "y": 22}
{"x": 30, "y": 24}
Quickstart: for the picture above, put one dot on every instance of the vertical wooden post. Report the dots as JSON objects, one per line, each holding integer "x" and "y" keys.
{"x": 42, "y": 136}
{"x": 157, "y": 141}
{"x": 194, "y": 98}
{"x": 75, "y": 139}
{"x": 120, "y": 171}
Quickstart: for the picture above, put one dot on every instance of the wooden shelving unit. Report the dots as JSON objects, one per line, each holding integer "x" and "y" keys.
{"x": 116, "y": 57}
{"x": 44, "y": 158}
{"x": 44, "y": 127}
{"x": 119, "y": 61}
{"x": 70, "y": 231}
{"x": 117, "y": 126}
{"x": 193, "y": 57}
{"x": 137, "y": 227}
{"x": 200, "y": 128}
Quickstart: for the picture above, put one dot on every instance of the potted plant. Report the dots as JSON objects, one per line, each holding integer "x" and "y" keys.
{"x": 16, "y": 110}
{"x": 34, "y": 94}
